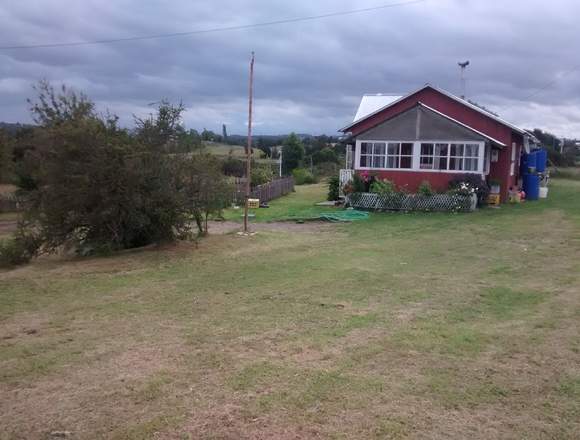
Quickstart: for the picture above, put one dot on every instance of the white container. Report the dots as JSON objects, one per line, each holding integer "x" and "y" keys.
{"x": 543, "y": 192}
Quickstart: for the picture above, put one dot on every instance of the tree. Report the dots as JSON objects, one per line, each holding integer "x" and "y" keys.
{"x": 97, "y": 187}
{"x": 207, "y": 189}
{"x": 326, "y": 154}
{"x": 6, "y": 157}
{"x": 292, "y": 153}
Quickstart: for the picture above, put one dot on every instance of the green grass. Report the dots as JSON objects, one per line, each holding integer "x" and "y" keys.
{"x": 399, "y": 326}
{"x": 301, "y": 203}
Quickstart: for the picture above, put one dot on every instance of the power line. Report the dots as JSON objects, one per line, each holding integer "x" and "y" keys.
{"x": 212, "y": 30}
{"x": 550, "y": 83}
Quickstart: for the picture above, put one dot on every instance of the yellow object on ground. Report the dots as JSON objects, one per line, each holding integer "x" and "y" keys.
{"x": 493, "y": 199}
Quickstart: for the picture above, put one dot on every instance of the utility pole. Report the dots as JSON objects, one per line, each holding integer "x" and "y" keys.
{"x": 281, "y": 149}
{"x": 249, "y": 146}
{"x": 463, "y": 80}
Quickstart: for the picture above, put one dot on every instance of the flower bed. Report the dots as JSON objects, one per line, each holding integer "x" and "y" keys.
{"x": 412, "y": 202}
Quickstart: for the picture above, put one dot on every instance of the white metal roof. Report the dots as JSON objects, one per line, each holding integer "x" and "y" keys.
{"x": 371, "y": 103}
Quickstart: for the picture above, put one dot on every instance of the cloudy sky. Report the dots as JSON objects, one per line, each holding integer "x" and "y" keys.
{"x": 309, "y": 75}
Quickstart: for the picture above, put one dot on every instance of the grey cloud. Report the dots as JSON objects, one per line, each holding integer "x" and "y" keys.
{"x": 309, "y": 75}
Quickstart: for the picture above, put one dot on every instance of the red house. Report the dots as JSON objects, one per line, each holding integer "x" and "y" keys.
{"x": 432, "y": 135}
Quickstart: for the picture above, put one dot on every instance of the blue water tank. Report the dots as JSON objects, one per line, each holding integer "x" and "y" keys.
{"x": 531, "y": 162}
{"x": 541, "y": 160}
{"x": 532, "y": 186}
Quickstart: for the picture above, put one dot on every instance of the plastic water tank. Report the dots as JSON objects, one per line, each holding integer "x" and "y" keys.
{"x": 541, "y": 160}
{"x": 530, "y": 162}
{"x": 532, "y": 186}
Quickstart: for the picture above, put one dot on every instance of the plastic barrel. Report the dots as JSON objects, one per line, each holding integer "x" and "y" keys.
{"x": 541, "y": 160}
{"x": 531, "y": 162}
{"x": 532, "y": 186}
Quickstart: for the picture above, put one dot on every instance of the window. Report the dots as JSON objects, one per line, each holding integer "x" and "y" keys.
{"x": 400, "y": 155}
{"x": 386, "y": 155}
{"x": 453, "y": 157}
{"x": 433, "y": 156}
{"x": 372, "y": 154}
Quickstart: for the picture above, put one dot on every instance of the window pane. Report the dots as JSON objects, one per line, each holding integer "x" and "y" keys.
{"x": 392, "y": 162}
{"x": 393, "y": 149}
{"x": 471, "y": 150}
{"x": 441, "y": 149}
{"x": 455, "y": 163}
{"x": 471, "y": 164}
{"x": 441, "y": 163}
{"x": 406, "y": 150}
{"x": 365, "y": 161}
{"x": 426, "y": 163}
{"x": 427, "y": 149}
{"x": 406, "y": 162}
{"x": 378, "y": 161}
{"x": 366, "y": 148}
{"x": 379, "y": 148}
{"x": 456, "y": 150}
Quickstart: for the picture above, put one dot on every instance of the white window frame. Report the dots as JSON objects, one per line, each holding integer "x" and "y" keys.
{"x": 416, "y": 159}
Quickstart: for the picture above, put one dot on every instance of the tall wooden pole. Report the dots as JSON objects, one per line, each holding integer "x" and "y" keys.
{"x": 249, "y": 146}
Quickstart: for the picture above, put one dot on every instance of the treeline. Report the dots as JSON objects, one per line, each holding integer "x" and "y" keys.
{"x": 561, "y": 153}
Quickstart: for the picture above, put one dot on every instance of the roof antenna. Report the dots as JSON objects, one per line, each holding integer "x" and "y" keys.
{"x": 463, "y": 81}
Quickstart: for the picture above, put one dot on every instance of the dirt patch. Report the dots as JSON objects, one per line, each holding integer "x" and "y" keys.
{"x": 227, "y": 227}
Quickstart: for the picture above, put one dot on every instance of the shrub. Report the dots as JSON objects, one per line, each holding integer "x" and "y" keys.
{"x": 333, "y": 188}
{"x": 19, "y": 249}
{"x": 358, "y": 184}
{"x": 302, "y": 176}
{"x": 261, "y": 175}
{"x": 468, "y": 184}
{"x": 425, "y": 189}
{"x": 382, "y": 187}
{"x": 234, "y": 167}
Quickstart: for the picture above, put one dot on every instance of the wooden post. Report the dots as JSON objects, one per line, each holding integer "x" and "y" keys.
{"x": 249, "y": 146}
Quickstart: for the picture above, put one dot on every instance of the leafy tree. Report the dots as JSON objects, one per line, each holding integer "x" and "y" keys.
{"x": 6, "y": 157}
{"x": 207, "y": 189}
{"x": 96, "y": 187}
{"x": 292, "y": 153}
{"x": 326, "y": 154}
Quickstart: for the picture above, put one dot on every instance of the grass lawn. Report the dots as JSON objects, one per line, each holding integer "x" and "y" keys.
{"x": 430, "y": 326}
{"x": 301, "y": 203}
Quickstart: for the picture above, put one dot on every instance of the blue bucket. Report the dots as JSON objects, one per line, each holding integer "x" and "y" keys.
{"x": 541, "y": 160}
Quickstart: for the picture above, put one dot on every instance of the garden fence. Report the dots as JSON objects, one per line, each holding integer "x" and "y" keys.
{"x": 269, "y": 191}
{"x": 412, "y": 202}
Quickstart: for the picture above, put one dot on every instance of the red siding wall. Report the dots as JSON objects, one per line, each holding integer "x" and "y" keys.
{"x": 499, "y": 170}
{"x": 410, "y": 180}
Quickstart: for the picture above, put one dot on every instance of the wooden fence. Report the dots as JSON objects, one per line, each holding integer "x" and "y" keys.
{"x": 412, "y": 202}
{"x": 10, "y": 203}
{"x": 269, "y": 191}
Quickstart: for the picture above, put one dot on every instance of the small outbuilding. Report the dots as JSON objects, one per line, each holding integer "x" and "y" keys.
{"x": 432, "y": 135}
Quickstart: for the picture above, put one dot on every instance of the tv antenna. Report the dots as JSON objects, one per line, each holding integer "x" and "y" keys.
{"x": 463, "y": 81}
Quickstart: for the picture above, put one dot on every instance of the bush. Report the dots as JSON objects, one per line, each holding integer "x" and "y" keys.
{"x": 333, "y": 188}
{"x": 19, "y": 249}
{"x": 382, "y": 187}
{"x": 261, "y": 175}
{"x": 234, "y": 167}
{"x": 425, "y": 189}
{"x": 358, "y": 184}
{"x": 302, "y": 176}
{"x": 468, "y": 184}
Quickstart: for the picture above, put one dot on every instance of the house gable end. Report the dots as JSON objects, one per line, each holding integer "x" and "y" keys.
{"x": 419, "y": 123}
